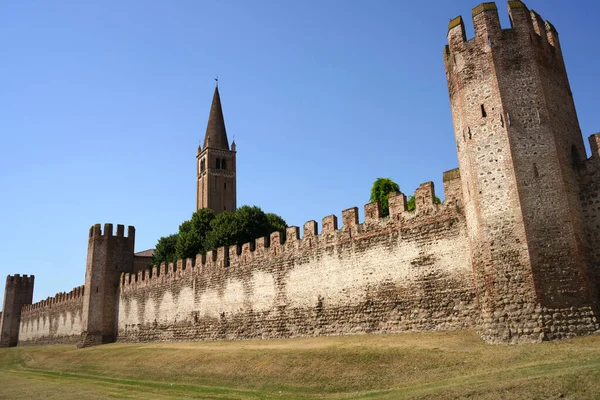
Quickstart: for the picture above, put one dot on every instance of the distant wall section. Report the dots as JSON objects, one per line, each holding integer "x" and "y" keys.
{"x": 55, "y": 320}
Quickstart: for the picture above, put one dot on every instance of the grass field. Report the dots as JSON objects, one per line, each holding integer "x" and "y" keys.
{"x": 423, "y": 366}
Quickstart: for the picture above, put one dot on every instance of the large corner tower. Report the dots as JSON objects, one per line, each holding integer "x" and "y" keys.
{"x": 519, "y": 149}
{"x": 215, "y": 164}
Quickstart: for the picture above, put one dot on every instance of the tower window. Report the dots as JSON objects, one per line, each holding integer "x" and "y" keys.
{"x": 483, "y": 113}
{"x": 576, "y": 161}
{"x": 202, "y": 165}
{"x": 223, "y": 164}
{"x": 225, "y": 185}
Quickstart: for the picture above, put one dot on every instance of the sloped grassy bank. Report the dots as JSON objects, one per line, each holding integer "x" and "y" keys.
{"x": 414, "y": 365}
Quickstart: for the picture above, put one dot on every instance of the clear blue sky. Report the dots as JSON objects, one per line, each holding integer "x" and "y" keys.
{"x": 103, "y": 104}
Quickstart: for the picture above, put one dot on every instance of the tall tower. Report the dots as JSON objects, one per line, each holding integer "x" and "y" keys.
{"x": 215, "y": 164}
{"x": 17, "y": 293}
{"x": 519, "y": 149}
{"x": 108, "y": 256}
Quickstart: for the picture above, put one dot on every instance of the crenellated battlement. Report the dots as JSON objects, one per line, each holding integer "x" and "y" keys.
{"x": 595, "y": 145}
{"x": 96, "y": 231}
{"x": 273, "y": 247}
{"x": 60, "y": 298}
{"x": 525, "y": 25}
{"x": 20, "y": 280}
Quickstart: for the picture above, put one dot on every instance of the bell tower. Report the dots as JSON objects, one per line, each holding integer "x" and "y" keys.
{"x": 215, "y": 164}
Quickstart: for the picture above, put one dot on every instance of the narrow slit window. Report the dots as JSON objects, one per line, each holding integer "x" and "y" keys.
{"x": 223, "y": 164}
{"x": 483, "y": 113}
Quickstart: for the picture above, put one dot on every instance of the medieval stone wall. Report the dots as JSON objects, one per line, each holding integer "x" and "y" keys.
{"x": 54, "y": 320}
{"x": 408, "y": 271}
{"x": 590, "y": 202}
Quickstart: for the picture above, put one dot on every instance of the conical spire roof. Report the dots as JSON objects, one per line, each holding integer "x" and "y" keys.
{"x": 216, "y": 135}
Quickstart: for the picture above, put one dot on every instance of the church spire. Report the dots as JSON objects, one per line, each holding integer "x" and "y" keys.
{"x": 216, "y": 135}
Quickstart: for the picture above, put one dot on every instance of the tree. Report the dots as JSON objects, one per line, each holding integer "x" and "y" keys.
{"x": 165, "y": 249}
{"x": 381, "y": 190}
{"x": 276, "y": 224}
{"x": 411, "y": 203}
{"x": 192, "y": 234}
{"x": 242, "y": 226}
{"x": 206, "y": 231}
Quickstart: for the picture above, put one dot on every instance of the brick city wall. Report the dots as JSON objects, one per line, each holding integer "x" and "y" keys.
{"x": 54, "y": 320}
{"x": 590, "y": 203}
{"x": 408, "y": 271}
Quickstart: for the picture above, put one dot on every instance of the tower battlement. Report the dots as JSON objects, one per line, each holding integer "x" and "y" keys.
{"x": 595, "y": 145}
{"x": 17, "y": 279}
{"x": 96, "y": 231}
{"x": 525, "y": 25}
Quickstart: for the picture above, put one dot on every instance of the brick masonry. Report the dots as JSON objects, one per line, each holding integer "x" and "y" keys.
{"x": 54, "y": 320}
{"x": 409, "y": 271}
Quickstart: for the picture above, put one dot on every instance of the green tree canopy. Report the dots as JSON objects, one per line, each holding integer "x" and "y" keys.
{"x": 242, "y": 226}
{"x": 191, "y": 239}
{"x": 165, "y": 249}
{"x": 381, "y": 190}
{"x": 206, "y": 231}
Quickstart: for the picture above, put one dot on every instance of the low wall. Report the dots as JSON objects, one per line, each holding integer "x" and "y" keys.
{"x": 55, "y": 320}
{"x": 408, "y": 271}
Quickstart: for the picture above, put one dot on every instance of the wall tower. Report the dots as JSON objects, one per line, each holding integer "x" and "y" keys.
{"x": 519, "y": 149}
{"x": 108, "y": 256}
{"x": 17, "y": 293}
{"x": 215, "y": 164}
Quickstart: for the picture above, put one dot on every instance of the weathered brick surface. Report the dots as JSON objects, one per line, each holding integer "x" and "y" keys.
{"x": 54, "y": 320}
{"x": 388, "y": 276}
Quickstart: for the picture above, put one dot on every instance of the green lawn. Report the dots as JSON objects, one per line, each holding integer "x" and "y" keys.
{"x": 412, "y": 365}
